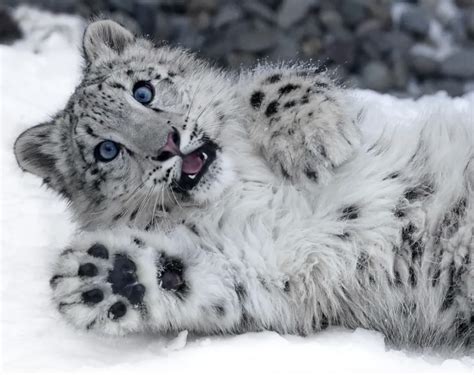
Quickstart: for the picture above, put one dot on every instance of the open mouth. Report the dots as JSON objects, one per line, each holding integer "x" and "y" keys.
{"x": 194, "y": 166}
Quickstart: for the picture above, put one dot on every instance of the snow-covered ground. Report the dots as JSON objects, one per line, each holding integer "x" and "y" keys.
{"x": 37, "y": 76}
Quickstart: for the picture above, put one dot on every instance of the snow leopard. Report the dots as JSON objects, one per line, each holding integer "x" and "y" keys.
{"x": 223, "y": 203}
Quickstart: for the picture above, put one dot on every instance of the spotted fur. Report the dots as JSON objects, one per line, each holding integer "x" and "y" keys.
{"x": 299, "y": 224}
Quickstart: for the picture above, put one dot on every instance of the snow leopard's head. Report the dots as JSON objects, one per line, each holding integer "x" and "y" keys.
{"x": 143, "y": 131}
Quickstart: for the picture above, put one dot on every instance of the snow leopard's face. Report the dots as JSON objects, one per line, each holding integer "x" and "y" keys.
{"x": 141, "y": 133}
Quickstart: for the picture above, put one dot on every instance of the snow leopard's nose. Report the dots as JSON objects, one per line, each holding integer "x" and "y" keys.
{"x": 171, "y": 147}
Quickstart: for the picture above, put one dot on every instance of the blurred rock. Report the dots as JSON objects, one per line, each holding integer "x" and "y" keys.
{"x": 9, "y": 29}
{"x": 460, "y": 64}
{"x": 469, "y": 22}
{"x": 388, "y": 45}
{"x": 229, "y": 13}
{"x": 423, "y": 61}
{"x": 292, "y": 11}
{"x": 354, "y": 11}
{"x": 377, "y": 76}
{"x": 415, "y": 21}
{"x": 254, "y": 40}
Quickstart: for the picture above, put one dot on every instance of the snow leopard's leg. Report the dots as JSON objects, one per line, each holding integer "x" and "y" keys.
{"x": 132, "y": 281}
{"x": 300, "y": 122}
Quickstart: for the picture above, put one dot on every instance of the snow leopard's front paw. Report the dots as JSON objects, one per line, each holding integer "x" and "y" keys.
{"x": 131, "y": 281}
{"x": 300, "y": 123}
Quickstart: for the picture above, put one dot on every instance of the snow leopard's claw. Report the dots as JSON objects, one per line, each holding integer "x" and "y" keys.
{"x": 106, "y": 286}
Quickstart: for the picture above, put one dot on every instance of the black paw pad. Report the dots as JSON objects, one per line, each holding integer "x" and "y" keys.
{"x": 93, "y": 296}
{"x": 88, "y": 270}
{"x": 171, "y": 277}
{"x": 124, "y": 280}
{"x": 98, "y": 251}
{"x": 117, "y": 310}
{"x": 135, "y": 293}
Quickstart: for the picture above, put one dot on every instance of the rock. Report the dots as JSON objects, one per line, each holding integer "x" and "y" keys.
{"x": 354, "y": 11}
{"x": 238, "y": 60}
{"x": 423, "y": 60}
{"x": 377, "y": 76}
{"x": 341, "y": 49}
{"x": 415, "y": 21}
{"x": 196, "y": 6}
{"x": 292, "y": 11}
{"x": 256, "y": 40}
{"x": 9, "y": 29}
{"x": 469, "y": 22}
{"x": 311, "y": 47}
{"x": 259, "y": 10}
{"x": 286, "y": 49}
{"x": 331, "y": 20}
{"x": 460, "y": 64}
{"x": 451, "y": 86}
{"x": 123, "y": 5}
{"x": 228, "y": 13}
{"x": 400, "y": 70}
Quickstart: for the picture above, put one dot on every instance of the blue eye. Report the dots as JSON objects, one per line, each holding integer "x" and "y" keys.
{"x": 143, "y": 92}
{"x": 106, "y": 151}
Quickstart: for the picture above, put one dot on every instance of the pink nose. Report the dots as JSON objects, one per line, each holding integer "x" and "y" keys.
{"x": 171, "y": 147}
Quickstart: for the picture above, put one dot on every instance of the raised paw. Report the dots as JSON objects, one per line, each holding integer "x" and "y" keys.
{"x": 299, "y": 123}
{"x": 110, "y": 283}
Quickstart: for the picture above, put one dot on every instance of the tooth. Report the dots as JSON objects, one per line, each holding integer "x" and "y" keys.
{"x": 192, "y": 176}
{"x": 205, "y": 155}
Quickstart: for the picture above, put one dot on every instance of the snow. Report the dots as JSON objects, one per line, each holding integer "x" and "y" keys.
{"x": 37, "y": 76}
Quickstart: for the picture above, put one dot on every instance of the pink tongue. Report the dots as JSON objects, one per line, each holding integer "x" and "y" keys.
{"x": 192, "y": 164}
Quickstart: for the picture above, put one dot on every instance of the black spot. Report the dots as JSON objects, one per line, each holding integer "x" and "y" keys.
{"x": 412, "y": 277}
{"x": 350, "y": 213}
{"x": 273, "y": 78}
{"x": 98, "y": 251}
{"x": 93, "y": 296}
{"x": 138, "y": 242}
{"x": 89, "y": 130}
{"x": 117, "y": 310}
{"x": 344, "y": 236}
{"x": 118, "y": 216}
{"x": 219, "y": 309}
{"x": 286, "y": 287}
{"x": 391, "y": 176}
{"x": 418, "y": 192}
{"x": 272, "y": 108}
{"x": 88, "y": 269}
{"x": 289, "y": 104}
{"x": 256, "y": 99}
{"x": 284, "y": 172}
{"x": 399, "y": 213}
{"x": 133, "y": 215}
{"x": 362, "y": 261}
{"x": 117, "y": 85}
{"x": 324, "y": 322}
{"x": 312, "y": 175}
{"x": 435, "y": 279}
{"x": 241, "y": 292}
{"x": 129, "y": 72}
{"x": 451, "y": 292}
{"x": 53, "y": 281}
{"x": 304, "y": 99}
{"x": 288, "y": 88}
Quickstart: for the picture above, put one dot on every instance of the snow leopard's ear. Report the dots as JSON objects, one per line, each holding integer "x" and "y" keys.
{"x": 105, "y": 37}
{"x": 34, "y": 151}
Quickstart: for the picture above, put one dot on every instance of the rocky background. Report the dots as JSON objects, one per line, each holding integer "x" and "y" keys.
{"x": 407, "y": 48}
